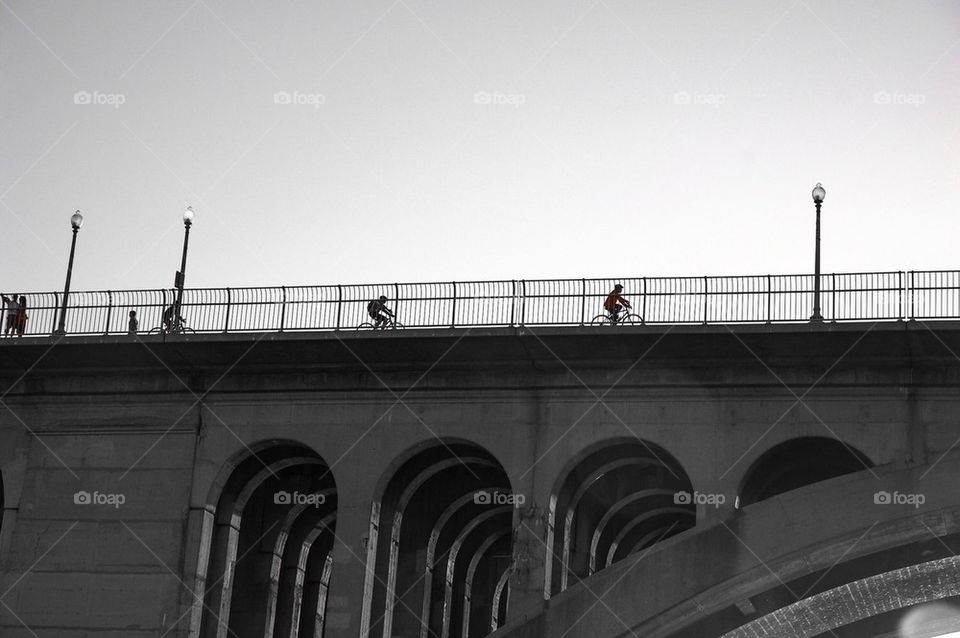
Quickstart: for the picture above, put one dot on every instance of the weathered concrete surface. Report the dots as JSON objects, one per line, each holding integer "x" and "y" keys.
{"x": 122, "y": 416}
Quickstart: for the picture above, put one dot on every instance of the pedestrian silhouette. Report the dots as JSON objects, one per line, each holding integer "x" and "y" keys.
{"x": 21, "y": 316}
{"x": 11, "y": 306}
{"x": 133, "y": 324}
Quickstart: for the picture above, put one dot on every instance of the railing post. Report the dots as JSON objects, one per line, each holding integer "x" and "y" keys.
{"x": 833, "y": 297}
{"x": 643, "y": 302}
{"x": 513, "y": 303}
{"x": 912, "y": 289}
{"x": 106, "y": 327}
{"x": 283, "y": 308}
{"x": 453, "y": 309}
{"x": 339, "y": 305}
{"x": 396, "y": 297}
{"x": 226, "y": 320}
{"x": 706, "y": 299}
{"x": 769, "y": 299}
{"x": 583, "y": 301}
{"x": 523, "y": 302}
{"x": 900, "y": 295}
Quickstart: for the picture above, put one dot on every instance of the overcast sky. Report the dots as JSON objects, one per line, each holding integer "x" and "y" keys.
{"x": 426, "y": 140}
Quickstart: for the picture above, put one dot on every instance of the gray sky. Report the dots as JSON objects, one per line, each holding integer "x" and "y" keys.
{"x": 419, "y": 140}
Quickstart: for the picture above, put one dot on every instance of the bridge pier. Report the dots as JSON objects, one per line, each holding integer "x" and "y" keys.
{"x": 345, "y": 595}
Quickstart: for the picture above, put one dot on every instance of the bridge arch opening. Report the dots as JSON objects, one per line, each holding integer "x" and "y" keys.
{"x": 440, "y": 543}
{"x": 266, "y": 544}
{"x": 797, "y": 463}
{"x": 620, "y": 497}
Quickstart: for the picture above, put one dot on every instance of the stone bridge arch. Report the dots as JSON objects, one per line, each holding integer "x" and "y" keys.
{"x": 797, "y": 462}
{"x": 278, "y": 494}
{"x": 616, "y": 493}
{"x": 436, "y": 509}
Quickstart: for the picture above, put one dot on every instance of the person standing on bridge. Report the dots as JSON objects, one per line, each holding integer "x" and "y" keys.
{"x": 613, "y": 303}
{"x": 378, "y": 311}
{"x": 21, "y": 317}
{"x": 11, "y": 306}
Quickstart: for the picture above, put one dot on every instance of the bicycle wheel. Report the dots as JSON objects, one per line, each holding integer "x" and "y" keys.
{"x": 366, "y": 325}
{"x": 632, "y": 319}
{"x": 156, "y": 331}
{"x": 600, "y": 320}
{"x": 396, "y": 325}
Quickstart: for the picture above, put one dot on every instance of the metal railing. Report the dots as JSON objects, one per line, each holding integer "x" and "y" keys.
{"x": 883, "y": 296}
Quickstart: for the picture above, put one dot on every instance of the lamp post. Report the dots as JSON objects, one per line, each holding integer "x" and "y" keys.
{"x": 818, "y": 194}
{"x": 181, "y": 274}
{"x": 76, "y": 221}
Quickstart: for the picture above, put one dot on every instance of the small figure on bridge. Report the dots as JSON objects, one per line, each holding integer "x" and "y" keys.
{"x": 378, "y": 311}
{"x": 613, "y": 303}
{"x": 21, "y": 317}
{"x": 11, "y": 305}
{"x": 133, "y": 324}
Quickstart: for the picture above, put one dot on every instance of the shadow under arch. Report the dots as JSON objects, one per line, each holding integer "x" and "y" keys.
{"x": 799, "y": 462}
{"x": 258, "y": 495}
{"x": 587, "y": 501}
{"x": 424, "y": 500}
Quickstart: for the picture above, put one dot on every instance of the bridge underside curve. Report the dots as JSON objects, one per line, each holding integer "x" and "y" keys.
{"x": 855, "y": 564}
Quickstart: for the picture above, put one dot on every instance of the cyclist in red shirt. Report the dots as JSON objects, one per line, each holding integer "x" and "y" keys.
{"x": 612, "y": 303}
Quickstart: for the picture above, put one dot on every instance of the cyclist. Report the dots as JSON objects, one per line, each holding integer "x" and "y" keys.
{"x": 378, "y": 311}
{"x": 612, "y": 303}
{"x": 168, "y": 324}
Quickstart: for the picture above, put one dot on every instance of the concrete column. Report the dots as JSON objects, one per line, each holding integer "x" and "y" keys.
{"x": 529, "y": 542}
{"x": 345, "y": 594}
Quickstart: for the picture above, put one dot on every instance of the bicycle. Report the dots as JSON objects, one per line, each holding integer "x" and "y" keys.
{"x": 179, "y": 328}
{"x": 624, "y": 316}
{"x": 390, "y": 324}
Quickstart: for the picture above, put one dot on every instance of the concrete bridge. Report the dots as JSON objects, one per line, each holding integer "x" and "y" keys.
{"x": 681, "y": 481}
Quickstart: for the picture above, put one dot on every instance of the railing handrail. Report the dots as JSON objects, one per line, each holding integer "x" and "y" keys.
{"x": 683, "y": 299}
{"x": 499, "y": 281}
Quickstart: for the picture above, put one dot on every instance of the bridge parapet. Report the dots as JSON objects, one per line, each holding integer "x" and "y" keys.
{"x": 875, "y": 296}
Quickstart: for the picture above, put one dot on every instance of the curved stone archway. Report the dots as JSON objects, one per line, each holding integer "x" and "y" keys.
{"x": 619, "y": 487}
{"x": 420, "y": 533}
{"x": 860, "y": 600}
{"x": 270, "y": 495}
{"x": 799, "y": 462}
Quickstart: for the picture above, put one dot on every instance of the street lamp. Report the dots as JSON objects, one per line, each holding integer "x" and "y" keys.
{"x": 818, "y": 194}
{"x": 76, "y": 221}
{"x": 181, "y": 274}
